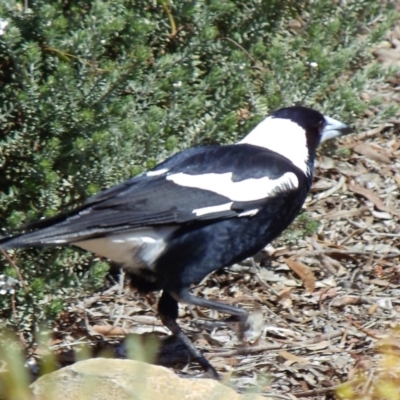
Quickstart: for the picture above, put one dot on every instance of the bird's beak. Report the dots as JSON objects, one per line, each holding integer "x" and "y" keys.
{"x": 334, "y": 128}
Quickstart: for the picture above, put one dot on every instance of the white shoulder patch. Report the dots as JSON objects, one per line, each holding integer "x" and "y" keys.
{"x": 282, "y": 136}
{"x": 246, "y": 190}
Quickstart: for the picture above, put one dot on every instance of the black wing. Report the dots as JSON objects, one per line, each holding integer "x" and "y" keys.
{"x": 155, "y": 198}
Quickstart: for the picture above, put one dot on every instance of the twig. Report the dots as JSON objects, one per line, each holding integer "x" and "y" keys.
{"x": 247, "y": 350}
{"x": 116, "y": 288}
{"x": 13, "y": 263}
{"x": 14, "y": 312}
{"x": 259, "y": 349}
{"x": 121, "y": 282}
{"x": 68, "y": 55}
{"x": 279, "y": 396}
{"x": 240, "y": 47}
{"x": 319, "y": 338}
{"x": 370, "y": 133}
{"x": 119, "y": 316}
{"x": 345, "y": 333}
{"x": 165, "y": 5}
{"x": 367, "y": 384}
{"x": 366, "y": 331}
{"x": 330, "y": 251}
{"x": 316, "y": 392}
{"x": 343, "y": 213}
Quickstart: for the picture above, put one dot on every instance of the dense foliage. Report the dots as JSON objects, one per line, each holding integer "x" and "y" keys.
{"x": 93, "y": 92}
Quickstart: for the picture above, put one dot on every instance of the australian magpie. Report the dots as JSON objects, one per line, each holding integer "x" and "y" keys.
{"x": 200, "y": 210}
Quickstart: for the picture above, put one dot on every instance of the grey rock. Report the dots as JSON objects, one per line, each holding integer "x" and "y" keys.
{"x": 112, "y": 379}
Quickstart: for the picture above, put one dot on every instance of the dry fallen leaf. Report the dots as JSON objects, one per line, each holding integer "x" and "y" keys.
{"x": 108, "y": 330}
{"x": 325, "y": 293}
{"x": 397, "y": 179}
{"x": 303, "y": 272}
{"x": 362, "y": 365}
{"x": 372, "y": 308}
{"x": 318, "y": 346}
{"x": 379, "y": 282}
{"x": 367, "y": 150}
{"x": 346, "y": 300}
{"x": 285, "y": 293}
{"x": 292, "y": 358}
{"x": 374, "y": 198}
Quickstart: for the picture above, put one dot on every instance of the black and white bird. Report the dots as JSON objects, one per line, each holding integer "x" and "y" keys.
{"x": 200, "y": 210}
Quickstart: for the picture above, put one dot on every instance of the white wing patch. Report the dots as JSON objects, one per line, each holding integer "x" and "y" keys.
{"x": 246, "y": 190}
{"x": 57, "y": 241}
{"x": 282, "y": 136}
{"x": 212, "y": 209}
{"x": 249, "y": 213}
{"x": 156, "y": 173}
{"x": 135, "y": 249}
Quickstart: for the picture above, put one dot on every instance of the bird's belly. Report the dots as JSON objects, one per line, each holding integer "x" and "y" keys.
{"x": 133, "y": 250}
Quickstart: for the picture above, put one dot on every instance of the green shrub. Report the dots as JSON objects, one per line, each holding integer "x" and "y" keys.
{"x": 93, "y": 92}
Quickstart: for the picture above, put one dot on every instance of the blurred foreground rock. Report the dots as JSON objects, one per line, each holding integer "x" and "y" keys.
{"x": 112, "y": 379}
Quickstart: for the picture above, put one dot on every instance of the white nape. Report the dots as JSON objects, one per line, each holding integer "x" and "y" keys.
{"x": 282, "y": 136}
{"x": 245, "y": 190}
{"x": 132, "y": 249}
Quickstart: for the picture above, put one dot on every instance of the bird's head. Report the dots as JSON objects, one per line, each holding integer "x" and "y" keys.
{"x": 295, "y": 132}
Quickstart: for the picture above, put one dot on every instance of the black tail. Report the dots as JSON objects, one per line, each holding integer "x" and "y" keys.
{"x": 49, "y": 231}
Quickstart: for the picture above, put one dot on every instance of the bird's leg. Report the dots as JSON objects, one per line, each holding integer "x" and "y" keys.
{"x": 168, "y": 312}
{"x": 185, "y": 297}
